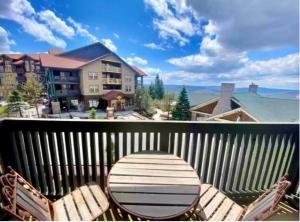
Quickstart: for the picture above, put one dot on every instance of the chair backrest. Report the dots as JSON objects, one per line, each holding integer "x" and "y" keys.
{"x": 22, "y": 200}
{"x": 266, "y": 204}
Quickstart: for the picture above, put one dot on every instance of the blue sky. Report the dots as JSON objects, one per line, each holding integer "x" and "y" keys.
{"x": 185, "y": 41}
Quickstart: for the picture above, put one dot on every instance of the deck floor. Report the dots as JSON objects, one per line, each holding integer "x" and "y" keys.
{"x": 286, "y": 213}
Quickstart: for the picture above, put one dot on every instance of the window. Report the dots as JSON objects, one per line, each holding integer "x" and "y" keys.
{"x": 37, "y": 68}
{"x": 7, "y": 66}
{"x": 93, "y": 75}
{"x": 109, "y": 87}
{"x": 128, "y": 78}
{"x": 127, "y": 88}
{"x": 93, "y": 103}
{"x": 1, "y": 69}
{"x": 63, "y": 75}
{"x": 32, "y": 65}
{"x": 94, "y": 88}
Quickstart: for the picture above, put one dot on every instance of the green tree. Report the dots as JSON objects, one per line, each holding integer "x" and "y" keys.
{"x": 156, "y": 89}
{"x": 32, "y": 91}
{"x": 182, "y": 108}
{"x": 15, "y": 102}
{"x": 92, "y": 113}
{"x": 159, "y": 88}
{"x": 142, "y": 99}
{"x": 152, "y": 92}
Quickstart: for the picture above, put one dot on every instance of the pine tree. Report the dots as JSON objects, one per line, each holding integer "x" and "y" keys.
{"x": 15, "y": 102}
{"x": 182, "y": 108}
{"x": 152, "y": 91}
{"x": 92, "y": 113}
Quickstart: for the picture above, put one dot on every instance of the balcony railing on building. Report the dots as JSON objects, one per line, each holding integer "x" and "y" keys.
{"x": 111, "y": 81}
{"x": 107, "y": 68}
{"x": 240, "y": 159}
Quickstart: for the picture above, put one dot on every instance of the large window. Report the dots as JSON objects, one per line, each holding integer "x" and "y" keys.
{"x": 1, "y": 69}
{"x": 93, "y": 88}
{"x": 93, "y": 103}
{"x": 128, "y": 88}
{"x": 93, "y": 75}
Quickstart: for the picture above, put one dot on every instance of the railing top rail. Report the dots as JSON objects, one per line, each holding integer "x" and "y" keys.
{"x": 72, "y": 125}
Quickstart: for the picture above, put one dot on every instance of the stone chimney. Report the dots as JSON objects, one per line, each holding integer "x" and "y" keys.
{"x": 224, "y": 103}
{"x": 253, "y": 88}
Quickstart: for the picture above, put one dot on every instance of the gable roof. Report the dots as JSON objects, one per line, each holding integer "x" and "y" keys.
{"x": 264, "y": 109}
{"x": 268, "y": 109}
{"x": 89, "y": 52}
{"x": 139, "y": 71}
{"x": 112, "y": 95}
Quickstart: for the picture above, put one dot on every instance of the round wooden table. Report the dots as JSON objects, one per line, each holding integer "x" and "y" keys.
{"x": 155, "y": 186}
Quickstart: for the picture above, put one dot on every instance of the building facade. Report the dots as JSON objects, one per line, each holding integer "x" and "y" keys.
{"x": 81, "y": 78}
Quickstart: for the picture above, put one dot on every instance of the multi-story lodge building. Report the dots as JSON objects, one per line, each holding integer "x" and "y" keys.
{"x": 91, "y": 76}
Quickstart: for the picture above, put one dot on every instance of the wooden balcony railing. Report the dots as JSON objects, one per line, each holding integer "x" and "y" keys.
{"x": 107, "y": 68}
{"x": 238, "y": 158}
{"x": 111, "y": 81}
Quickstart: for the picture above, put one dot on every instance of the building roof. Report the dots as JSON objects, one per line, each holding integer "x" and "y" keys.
{"x": 139, "y": 71}
{"x": 52, "y": 61}
{"x": 267, "y": 109}
{"x": 89, "y": 52}
{"x": 15, "y": 56}
{"x": 112, "y": 95}
{"x": 19, "y": 62}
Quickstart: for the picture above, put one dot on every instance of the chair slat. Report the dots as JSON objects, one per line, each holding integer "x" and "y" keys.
{"x": 81, "y": 205}
{"x": 71, "y": 208}
{"x": 59, "y": 211}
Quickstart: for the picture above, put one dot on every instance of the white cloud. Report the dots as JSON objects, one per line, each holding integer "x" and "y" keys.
{"x": 81, "y": 30}
{"x": 175, "y": 20}
{"x": 212, "y": 58}
{"x": 282, "y": 72}
{"x": 56, "y": 24}
{"x": 116, "y": 35}
{"x": 22, "y": 12}
{"x": 135, "y": 60}
{"x": 152, "y": 45}
{"x": 250, "y": 25}
{"x": 109, "y": 44}
{"x": 5, "y": 42}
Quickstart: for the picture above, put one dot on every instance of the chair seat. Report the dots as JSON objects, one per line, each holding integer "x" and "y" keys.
{"x": 216, "y": 206}
{"x": 85, "y": 203}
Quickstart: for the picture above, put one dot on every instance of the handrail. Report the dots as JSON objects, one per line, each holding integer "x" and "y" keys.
{"x": 58, "y": 155}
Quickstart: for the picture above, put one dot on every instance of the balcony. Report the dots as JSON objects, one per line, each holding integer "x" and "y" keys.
{"x": 64, "y": 79}
{"x": 111, "y": 81}
{"x": 66, "y": 92}
{"x": 240, "y": 159}
{"x": 113, "y": 69}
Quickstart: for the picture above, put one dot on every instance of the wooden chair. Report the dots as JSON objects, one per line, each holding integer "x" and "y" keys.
{"x": 216, "y": 206}
{"x": 21, "y": 201}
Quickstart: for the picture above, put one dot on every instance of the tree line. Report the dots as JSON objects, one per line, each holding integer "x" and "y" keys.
{"x": 155, "y": 95}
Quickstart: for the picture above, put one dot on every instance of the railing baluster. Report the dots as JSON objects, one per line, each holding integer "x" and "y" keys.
{"x": 108, "y": 151}
{"x": 63, "y": 162}
{"x": 232, "y": 155}
{"x": 31, "y": 159}
{"x": 117, "y": 146}
{"x": 16, "y": 153}
{"x": 21, "y": 143}
{"x": 224, "y": 172}
{"x": 245, "y": 163}
{"x": 279, "y": 158}
{"x": 78, "y": 162}
{"x": 101, "y": 160}
{"x": 85, "y": 152}
{"x": 47, "y": 162}
{"x": 39, "y": 160}
{"x": 219, "y": 153}
{"x": 212, "y": 160}
{"x": 56, "y": 173}
{"x": 71, "y": 163}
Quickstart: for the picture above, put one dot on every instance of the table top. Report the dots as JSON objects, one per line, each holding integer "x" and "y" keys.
{"x": 154, "y": 186}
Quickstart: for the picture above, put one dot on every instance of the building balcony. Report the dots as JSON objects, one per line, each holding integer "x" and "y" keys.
{"x": 111, "y": 81}
{"x": 66, "y": 92}
{"x": 240, "y": 159}
{"x": 106, "y": 68}
{"x": 66, "y": 79}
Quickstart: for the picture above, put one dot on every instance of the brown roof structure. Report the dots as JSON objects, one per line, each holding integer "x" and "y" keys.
{"x": 112, "y": 95}
{"x": 139, "y": 71}
{"x": 52, "y": 61}
{"x": 19, "y": 62}
{"x": 15, "y": 56}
